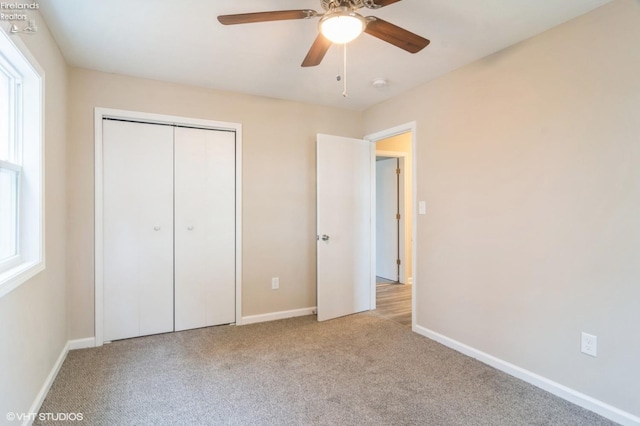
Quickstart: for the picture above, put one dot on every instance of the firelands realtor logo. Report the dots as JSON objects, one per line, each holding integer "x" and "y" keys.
{"x": 17, "y": 12}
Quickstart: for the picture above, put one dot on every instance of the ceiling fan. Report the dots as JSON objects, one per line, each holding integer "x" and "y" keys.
{"x": 339, "y": 23}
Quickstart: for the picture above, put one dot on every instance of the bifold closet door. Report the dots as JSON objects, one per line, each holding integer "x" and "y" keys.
{"x": 138, "y": 229}
{"x": 204, "y": 228}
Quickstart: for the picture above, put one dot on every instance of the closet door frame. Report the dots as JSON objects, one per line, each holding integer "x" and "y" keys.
{"x": 99, "y": 115}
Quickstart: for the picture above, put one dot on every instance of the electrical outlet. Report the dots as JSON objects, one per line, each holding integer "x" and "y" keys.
{"x": 589, "y": 344}
{"x": 275, "y": 283}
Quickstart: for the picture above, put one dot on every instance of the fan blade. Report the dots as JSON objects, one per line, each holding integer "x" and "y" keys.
{"x": 316, "y": 53}
{"x": 395, "y": 35}
{"x": 277, "y": 15}
{"x": 382, "y": 3}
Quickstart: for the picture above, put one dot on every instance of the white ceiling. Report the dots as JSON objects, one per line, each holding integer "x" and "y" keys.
{"x": 181, "y": 41}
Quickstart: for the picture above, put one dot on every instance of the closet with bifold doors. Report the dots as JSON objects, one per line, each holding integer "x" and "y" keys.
{"x": 168, "y": 228}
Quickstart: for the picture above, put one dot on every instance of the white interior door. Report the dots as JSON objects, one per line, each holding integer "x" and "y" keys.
{"x": 344, "y": 226}
{"x": 386, "y": 221}
{"x": 138, "y": 229}
{"x": 204, "y": 228}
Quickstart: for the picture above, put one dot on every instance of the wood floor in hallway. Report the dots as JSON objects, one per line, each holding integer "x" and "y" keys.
{"x": 393, "y": 301}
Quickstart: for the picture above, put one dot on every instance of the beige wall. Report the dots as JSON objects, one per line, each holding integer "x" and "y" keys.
{"x": 402, "y": 143}
{"x": 33, "y": 317}
{"x": 278, "y": 183}
{"x": 529, "y": 161}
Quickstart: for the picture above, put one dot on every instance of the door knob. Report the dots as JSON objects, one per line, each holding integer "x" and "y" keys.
{"x": 325, "y": 238}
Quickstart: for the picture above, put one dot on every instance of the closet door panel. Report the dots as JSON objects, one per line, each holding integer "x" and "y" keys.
{"x": 204, "y": 228}
{"x": 138, "y": 229}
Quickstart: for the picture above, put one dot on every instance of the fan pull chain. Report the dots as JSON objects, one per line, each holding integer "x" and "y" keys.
{"x": 344, "y": 71}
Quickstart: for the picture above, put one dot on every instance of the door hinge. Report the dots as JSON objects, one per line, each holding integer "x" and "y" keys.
{"x": 397, "y": 171}
{"x": 398, "y": 262}
{"x": 398, "y": 216}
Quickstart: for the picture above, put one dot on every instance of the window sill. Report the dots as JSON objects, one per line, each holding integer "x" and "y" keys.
{"x": 11, "y": 279}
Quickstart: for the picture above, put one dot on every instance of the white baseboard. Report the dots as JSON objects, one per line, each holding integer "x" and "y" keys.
{"x": 87, "y": 342}
{"x": 580, "y": 399}
{"x": 37, "y": 403}
{"x": 278, "y": 315}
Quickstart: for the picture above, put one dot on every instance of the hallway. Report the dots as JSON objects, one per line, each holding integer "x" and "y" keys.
{"x": 393, "y": 301}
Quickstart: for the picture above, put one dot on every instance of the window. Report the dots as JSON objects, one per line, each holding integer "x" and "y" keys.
{"x": 9, "y": 164}
{"x": 21, "y": 187}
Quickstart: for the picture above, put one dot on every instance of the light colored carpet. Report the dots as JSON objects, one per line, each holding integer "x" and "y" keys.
{"x": 358, "y": 370}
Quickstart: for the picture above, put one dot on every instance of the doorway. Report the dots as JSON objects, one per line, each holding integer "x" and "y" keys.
{"x": 393, "y": 289}
{"x": 355, "y": 279}
{"x": 389, "y": 187}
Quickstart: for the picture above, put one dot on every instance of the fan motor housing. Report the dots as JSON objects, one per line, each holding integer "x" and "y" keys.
{"x": 329, "y": 5}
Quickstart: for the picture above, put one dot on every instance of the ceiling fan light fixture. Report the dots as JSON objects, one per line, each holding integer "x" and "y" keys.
{"x": 342, "y": 27}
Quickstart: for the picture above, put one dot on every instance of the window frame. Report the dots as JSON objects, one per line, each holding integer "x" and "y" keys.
{"x": 15, "y": 259}
{"x": 13, "y": 162}
{"x": 26, "y": 159}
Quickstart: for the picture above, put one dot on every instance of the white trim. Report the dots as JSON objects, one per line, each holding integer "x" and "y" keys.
{"x": 12, "y": 278}
{"x": 564, "y": 392}
{"x": 99, "y": 114}
{"x": 98, "y": 230}
{"x": 34, "y": 261}
{"x": 87, "y": 342}
{"x": 372, "y": 227}
{"x": 37, "y": 403}
{"x": 273, "y": 316}
{"x": 385, "y": 134}
{"x": 11, "y": 166}
{"x": 238, "y": 130}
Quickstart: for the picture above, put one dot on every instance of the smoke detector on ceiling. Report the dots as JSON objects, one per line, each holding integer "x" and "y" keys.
{"x": 379, "y": 83}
